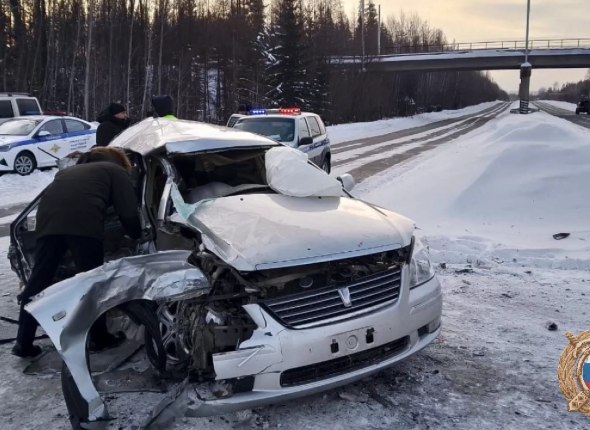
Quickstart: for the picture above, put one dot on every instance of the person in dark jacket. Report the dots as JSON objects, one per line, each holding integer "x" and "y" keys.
{"x": 163, "y": 106}
{"x": 113, "y": 120}
{"x": 71, "y": 216}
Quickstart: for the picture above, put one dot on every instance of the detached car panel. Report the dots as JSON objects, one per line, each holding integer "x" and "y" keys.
{"x": 252, "y": 279}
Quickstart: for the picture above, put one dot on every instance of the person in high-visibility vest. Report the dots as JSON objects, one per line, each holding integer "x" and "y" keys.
{"x": 163, "y": 106}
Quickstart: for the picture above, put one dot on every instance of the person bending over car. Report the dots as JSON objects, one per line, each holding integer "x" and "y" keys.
{"x": 70, "y": 217}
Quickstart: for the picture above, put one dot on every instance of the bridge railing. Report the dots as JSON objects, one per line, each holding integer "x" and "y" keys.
{"x": 499, "y": 44}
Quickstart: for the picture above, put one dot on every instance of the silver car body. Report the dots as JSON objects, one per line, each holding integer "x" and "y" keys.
{"x": 285, "y": 357}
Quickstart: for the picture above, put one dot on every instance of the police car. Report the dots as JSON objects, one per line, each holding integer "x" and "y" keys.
{"x": 30, "y": 142}
{"x": 302, "y": 130}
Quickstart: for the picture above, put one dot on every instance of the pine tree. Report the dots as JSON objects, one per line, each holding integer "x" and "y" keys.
{"x": 286, "y": 72}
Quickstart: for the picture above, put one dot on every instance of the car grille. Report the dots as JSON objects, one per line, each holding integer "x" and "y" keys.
{"x": 342, "y": 365}
{"x": 315, "y": 307}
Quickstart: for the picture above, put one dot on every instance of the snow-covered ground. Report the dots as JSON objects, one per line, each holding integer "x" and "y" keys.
{"x": 488, "y": 204}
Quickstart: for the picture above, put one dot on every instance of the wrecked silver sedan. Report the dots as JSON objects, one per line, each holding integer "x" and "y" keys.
{"x": 259, "y": 278}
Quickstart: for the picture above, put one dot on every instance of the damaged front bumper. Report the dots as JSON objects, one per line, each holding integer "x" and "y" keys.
{"x": 286, "y": 363}
{"x": 278, "y": 363}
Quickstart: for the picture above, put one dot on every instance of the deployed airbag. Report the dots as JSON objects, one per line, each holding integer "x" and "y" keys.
{"x": 289, "y": 173}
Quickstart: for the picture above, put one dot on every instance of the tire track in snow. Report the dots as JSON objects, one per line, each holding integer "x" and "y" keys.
{"x": 382, "y": 163}
{"x": 383, "y": 138}
{"x": 383, "y": 146}
{"x": 583, "y": 120}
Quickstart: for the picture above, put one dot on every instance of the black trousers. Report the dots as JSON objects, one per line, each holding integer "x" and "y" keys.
{"x": 87, "y": 254}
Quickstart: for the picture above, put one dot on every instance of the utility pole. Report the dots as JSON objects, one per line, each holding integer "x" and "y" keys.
{"x": 525, "y": 68}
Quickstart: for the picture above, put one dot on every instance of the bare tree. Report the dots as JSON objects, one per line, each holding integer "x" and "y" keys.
{"x": 90, "y": 15}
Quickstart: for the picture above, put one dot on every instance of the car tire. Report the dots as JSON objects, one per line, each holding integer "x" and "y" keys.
{"x": 326, "y": 167}
{"x": 24, "y": 163}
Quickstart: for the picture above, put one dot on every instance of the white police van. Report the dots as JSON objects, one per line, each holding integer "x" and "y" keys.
{"x": 18, "y": 104}
{"x": 302, "y": 130}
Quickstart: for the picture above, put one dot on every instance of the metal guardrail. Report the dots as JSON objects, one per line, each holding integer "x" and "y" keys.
{"x": 499, "y": 44}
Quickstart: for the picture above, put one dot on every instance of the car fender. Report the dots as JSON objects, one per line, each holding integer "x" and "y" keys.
{"x": 67, "y": 310}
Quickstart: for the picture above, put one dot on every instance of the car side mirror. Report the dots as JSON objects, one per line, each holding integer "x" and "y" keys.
{"x": 347, "y": 181}
{"x": 307, "y": 140}
{"x": 43, "y": 133}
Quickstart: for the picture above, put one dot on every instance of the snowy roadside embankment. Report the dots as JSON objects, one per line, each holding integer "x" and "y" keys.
{"x": 16, "y": 189}
{"x": 499, "y": 193}
{"x": 345, "y": 132}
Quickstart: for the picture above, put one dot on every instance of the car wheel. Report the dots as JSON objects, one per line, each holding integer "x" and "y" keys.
{"x": 170, "y": 319}
{"x": 24, "y": 163}
{"x": 326, "y": 165}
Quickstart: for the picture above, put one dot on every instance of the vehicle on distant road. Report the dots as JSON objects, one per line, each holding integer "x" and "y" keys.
{"x": 36, "y": 141}
{"x": 18, "y": 104}
{"x": 259, "y": 273}
{"x": 301, "y": 130}
{"x": 583, "y": 105}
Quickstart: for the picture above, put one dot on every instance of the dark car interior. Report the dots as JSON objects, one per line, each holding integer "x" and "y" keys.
{"x": 218, "y": 174}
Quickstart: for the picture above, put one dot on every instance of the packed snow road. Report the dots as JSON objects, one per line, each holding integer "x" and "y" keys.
{"x": 564, "y": 110}
{"x": 489, "y": 202}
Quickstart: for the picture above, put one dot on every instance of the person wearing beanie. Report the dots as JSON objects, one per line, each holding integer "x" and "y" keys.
{"x": 113, "y": 120}
{"x": 163, "y": 106}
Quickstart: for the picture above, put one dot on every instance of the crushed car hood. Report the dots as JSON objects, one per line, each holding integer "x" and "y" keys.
{"x": 259, "y": 231}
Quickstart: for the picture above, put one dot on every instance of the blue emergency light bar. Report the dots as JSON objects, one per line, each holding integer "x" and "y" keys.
{"x": 282, "y": 111}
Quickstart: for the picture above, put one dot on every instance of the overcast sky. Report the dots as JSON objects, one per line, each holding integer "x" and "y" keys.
{"x": 492, "y": 20}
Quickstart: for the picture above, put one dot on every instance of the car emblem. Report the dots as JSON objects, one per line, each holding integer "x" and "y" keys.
{"x": 345, "y": 296}
{"x": 55, "y": 148}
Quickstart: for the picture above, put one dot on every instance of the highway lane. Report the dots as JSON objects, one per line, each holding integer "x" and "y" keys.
{"x": 375, "y": 158}
{"x": 582, "y": 120}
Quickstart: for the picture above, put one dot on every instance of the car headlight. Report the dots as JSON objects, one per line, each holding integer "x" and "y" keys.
{"x": 421, "y": 269}
{"x": 4, "y": 148}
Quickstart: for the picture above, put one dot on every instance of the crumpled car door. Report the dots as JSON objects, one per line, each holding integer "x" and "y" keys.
{"x": 23, "y": 241}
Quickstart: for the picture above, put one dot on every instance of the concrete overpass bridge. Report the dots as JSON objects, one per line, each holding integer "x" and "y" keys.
{"x": 498, "y": 55}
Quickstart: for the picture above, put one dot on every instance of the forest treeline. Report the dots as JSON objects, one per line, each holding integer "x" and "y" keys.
{"x": 568, "y": 92}
{"x": 213, "y": 55}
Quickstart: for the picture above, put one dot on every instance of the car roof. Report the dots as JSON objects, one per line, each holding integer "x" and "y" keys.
{"x": 281, "y": 115}
{"x": 44, "y": 117}
{"x": 183, "y": 136}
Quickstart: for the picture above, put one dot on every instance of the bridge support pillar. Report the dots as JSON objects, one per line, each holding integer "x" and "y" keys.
{"x": 525, "y": 83}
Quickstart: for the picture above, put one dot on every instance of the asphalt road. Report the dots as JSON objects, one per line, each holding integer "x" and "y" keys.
{"x": 581, "y": 120}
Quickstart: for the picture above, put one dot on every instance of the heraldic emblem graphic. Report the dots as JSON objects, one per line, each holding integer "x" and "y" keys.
{"x": 574, "y": 373}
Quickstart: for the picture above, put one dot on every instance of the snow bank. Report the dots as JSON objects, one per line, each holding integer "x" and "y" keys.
{"x": 345, "y": 132}
{"x": 16, "y": 189}
{"x": 499, "y": 193}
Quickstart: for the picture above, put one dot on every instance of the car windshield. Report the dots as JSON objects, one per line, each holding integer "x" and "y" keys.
{"x": 18, "y": 127}
{"x": 279, "y": 129}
